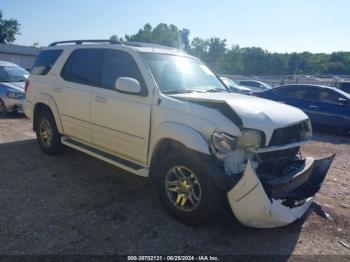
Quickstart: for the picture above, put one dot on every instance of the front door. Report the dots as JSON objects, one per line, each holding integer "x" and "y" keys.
{"x": 120, "y": 122}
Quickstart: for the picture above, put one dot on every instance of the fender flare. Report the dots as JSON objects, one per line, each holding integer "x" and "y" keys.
{"x": 183, "y": 134}
{"x": 50, "y": 102}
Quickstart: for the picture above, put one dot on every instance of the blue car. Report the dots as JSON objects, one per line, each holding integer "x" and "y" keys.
{"x": 325, "y": 106}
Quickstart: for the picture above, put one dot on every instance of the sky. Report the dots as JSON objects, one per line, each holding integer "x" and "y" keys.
{"x": 274, "y": 25}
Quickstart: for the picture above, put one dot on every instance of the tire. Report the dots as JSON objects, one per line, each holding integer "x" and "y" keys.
{"x": 211, "y": 200}
{"x": 51, "y": 142}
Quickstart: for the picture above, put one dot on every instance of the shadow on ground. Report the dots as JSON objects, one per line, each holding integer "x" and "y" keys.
{"x": 75, "y": 204}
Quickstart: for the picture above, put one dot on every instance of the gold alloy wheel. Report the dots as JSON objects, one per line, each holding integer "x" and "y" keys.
{"x": 45, "y": 131}
{"x": 183, "y": 188}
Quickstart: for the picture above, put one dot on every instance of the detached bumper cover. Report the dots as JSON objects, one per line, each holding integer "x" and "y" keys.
{"x": 285, "y": 200}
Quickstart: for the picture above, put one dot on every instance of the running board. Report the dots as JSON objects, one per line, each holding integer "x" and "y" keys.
{"x": 107, "y": 157}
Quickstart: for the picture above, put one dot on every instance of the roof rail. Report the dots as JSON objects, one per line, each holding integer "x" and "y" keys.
{"x": 143, "y": 44}
{"x": 134, "y": 44}
{"x": 80, "y": 42}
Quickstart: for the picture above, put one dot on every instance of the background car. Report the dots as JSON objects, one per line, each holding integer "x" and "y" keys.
{"x": 256, "y": 86}
{"x": 234, "y": 87}
{"x": 325, "y": 106}
{"x": 12, "y": 78}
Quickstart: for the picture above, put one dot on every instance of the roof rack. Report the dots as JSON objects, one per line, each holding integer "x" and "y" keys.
{"x": 80, "y": 42}
{"x": 143, "y": 44}
{"x": 134, "y": 44}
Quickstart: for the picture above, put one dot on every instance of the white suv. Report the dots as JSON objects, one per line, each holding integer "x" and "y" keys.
{"x": 158, "y": 112}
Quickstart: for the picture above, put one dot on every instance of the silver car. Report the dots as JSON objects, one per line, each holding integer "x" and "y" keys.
{"x": 12, "y": 81}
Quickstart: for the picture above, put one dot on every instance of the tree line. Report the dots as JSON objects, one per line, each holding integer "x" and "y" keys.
{"x": 234, "y": 59}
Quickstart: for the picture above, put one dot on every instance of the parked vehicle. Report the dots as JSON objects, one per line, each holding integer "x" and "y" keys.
{"x": 158, "y": 112}
{"x": 325, "y": 106}
{"x": 344, "y": 86}
{"x": 256, "y": 86}
{"x": 12, "y": 78}
{"x": 234, "y": 87}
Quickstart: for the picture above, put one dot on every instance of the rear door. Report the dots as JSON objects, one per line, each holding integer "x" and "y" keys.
{"x": 73, "y": 93}
{"x": 120, "y": 122}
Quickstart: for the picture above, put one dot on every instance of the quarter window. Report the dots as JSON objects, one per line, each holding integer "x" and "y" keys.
{"x": 45, "y": 61}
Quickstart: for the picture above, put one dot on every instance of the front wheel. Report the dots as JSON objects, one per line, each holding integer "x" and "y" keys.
{"x": 186, "y": 189}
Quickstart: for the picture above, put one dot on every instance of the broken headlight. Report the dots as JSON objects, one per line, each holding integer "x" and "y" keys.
{"x": 250, "y": 139}
{"x": 222, "y": 143}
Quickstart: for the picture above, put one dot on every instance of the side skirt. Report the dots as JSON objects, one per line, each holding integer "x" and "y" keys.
{"x": 106, "y": 157}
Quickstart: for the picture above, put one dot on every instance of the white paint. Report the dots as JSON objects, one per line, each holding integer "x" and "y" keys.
{"x": 252, "y": 207}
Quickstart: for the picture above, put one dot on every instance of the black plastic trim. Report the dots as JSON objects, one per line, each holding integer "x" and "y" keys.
{"x": 105, "y": 155}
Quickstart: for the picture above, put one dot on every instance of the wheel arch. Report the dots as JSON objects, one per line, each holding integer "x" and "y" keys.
{"x": 46, "y": 102}
{"x": 174, "y": 136}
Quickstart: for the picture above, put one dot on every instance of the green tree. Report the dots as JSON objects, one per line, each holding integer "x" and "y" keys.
{"x": 116, "y": 38}
{"x": 9, "y": 28}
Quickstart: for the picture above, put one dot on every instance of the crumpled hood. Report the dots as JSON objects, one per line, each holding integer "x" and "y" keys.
{"x": 18, "y": 86}
{"x": 256, "y": 113}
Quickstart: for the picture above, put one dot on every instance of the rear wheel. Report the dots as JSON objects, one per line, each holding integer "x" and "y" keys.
{"x": 186, "y": 189}
{"x": 46, "y": 132}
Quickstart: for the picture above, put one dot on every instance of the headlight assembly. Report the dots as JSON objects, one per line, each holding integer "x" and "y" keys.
{"x": 222, "y": 143}
{"x": 250, "y": 139}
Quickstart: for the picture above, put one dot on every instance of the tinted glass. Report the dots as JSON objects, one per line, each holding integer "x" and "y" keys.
{"x": 329, "y": 96}
{"x": 83, "y": 66}
{"x": 45, "y": 61}
{"x": 118, "y": 64}
{"x": 285, "y": 91}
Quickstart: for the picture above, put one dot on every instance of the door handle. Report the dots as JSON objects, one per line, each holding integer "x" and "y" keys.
{"x": 58, "y": 90}
{"x": 312, "y": 106}
{"x": 101, "y": 99}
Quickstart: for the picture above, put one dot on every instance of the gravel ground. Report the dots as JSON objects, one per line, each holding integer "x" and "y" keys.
{"x": 75, "y": 204}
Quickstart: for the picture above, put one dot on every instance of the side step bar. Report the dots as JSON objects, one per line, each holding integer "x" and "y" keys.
{"x": 107, "y": 157}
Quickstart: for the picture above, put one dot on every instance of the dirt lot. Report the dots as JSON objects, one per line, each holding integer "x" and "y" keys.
{"x": 75, "y": 204}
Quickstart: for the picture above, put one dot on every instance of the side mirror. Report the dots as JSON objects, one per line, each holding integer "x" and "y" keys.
{"x": 127, "y": 85}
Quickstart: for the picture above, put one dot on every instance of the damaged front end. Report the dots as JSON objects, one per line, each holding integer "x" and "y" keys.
{"x": 269, "y": 185}
{"x": 270, "y": 196}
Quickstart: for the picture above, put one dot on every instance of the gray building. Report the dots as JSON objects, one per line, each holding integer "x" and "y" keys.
{"x": 23, "y": 56}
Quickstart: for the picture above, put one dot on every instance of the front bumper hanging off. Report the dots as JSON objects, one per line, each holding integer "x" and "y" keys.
{"x": 280, "y": 201}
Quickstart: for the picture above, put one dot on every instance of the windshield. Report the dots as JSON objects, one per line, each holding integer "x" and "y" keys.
{"x": 178, "y": 74}
{"x": 12, "y": 74}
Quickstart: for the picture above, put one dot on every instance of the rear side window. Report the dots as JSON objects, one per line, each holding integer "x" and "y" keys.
{"x": 45, "y": 61}
{"x": 119, "y": 64}
{"x": 286, "y": 91}
{"x": 83, "y": 66}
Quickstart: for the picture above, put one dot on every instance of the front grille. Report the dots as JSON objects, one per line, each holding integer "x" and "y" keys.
{"x": 291, "y": 134}
{"x": 275, "y": 161}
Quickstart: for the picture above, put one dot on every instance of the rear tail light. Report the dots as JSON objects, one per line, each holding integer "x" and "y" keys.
{"x": 26, "y": 85}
